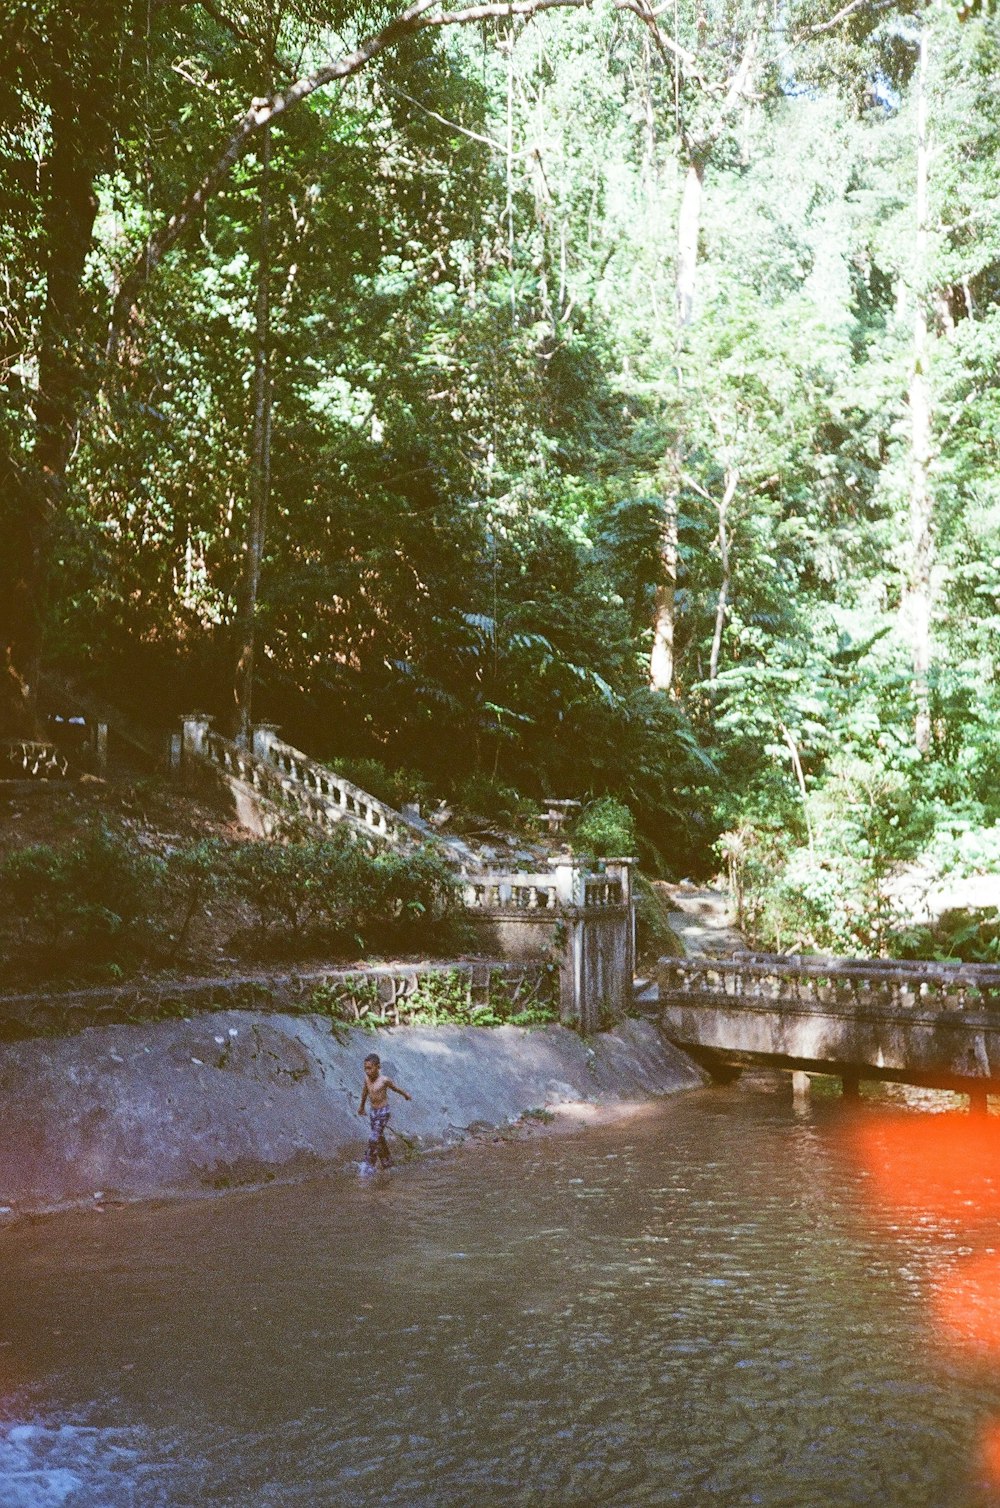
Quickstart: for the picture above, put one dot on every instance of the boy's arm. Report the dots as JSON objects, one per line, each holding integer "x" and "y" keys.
{"x": 390, "y": 1085}
{"x": 364, "y": 1096}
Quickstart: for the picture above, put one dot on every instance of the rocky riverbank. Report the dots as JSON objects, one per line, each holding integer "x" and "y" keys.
{"x": 236, "y": 1098}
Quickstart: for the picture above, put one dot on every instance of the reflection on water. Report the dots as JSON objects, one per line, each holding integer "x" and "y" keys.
{"x": 714, "y": 1304}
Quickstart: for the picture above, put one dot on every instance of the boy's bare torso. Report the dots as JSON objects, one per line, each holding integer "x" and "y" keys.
{"x": 378, "y": 1091}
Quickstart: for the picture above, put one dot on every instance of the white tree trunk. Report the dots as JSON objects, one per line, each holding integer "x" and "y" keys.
{"x": 260, "y": 466}
{"x": 722, "y": 603}
{"x": 688, "y": 227}
{"x": 918, "y": 599}
{"x": 661, "y": 659}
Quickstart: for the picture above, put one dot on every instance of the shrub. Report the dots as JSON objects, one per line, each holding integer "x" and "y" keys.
{"x": 196, "y": 874}
{"x": 481, "y": 799}
{"x": 100, "y": 894}
{"x": 396, "y": 787}
{"x": 441, "y": 997}
{"x": 605, "y": 828}
{"x": 337, "y": 891}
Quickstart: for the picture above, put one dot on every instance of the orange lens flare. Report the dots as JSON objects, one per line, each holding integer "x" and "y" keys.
{"x": 947, "y": 1167}
{"x": 989, "y": 1453}
{"x": 966, "y": 1304}
{"x": 944, "y": 1165}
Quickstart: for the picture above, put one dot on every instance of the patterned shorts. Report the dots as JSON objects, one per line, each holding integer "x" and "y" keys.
{"x": 377, "y": 1121}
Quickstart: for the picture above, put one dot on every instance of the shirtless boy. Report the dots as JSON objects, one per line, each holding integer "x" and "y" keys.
{"x": 376, "y": 1092}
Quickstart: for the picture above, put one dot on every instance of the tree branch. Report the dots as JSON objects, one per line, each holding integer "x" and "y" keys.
{"x": 487, "y": 141}
{"x": 420, "y": 16}
{"x": 663, "y": 39}
{"x": 841, "y": 15}
{"x": 263, "y": 111}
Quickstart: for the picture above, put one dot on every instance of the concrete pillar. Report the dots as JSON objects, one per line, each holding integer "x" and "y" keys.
{"x": 978, "y": 1101}
{"x": 195, "y": 728}
{"x": 850, "y": 1084}
{"x": 801, "y": 1085}
{"x": 573, "y": 1002}
{"x": 569, "y": 874}
{"x": 264, "y": 736}
{"x": 621, "y": 870}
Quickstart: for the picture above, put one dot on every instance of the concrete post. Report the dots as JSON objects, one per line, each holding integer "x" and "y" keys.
{"x": 621, "y": 870}
{"x": 195, "y": 728}
{"x": 569, "y": 873}
{"x": 265, "y": 735}
{"x": 850, "y": 1083}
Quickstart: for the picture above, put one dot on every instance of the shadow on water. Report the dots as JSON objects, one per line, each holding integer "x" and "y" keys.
{"x": 727, "y": 1302}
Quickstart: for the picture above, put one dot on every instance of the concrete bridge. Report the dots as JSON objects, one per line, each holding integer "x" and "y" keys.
{"x": 924, "y": 1023}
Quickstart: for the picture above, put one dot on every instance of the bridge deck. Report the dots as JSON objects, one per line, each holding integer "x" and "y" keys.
{"x": 927, "y": 1023}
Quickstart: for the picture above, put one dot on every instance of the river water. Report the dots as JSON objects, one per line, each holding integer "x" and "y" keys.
{"x": 710, "y": 1304}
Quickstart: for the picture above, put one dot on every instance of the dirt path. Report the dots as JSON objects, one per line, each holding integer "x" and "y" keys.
{"x": 699, "y": 918}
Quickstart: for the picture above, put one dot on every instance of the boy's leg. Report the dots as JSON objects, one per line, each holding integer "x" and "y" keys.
{"x": 374, "y": 1138}
{"x": 380, "y": 1119}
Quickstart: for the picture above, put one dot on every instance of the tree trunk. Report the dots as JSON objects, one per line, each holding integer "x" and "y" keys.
{"x": 688, "y": 227}
{"x": 698, "y": 152}
{"x": 260, "y": 465}
{"x": 34, "y": 484}
{"x": 722, "y": 507}
{"x": 661, "y": 659}
{"x": 918, "y": 598}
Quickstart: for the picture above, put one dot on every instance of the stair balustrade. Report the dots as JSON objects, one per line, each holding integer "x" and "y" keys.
{"x": 583, "y": 919}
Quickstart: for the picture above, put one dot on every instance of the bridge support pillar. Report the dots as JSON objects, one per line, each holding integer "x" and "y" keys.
{"x": 801, "y": 1084}
{"x": 850, "y": 1084}
{"x": 978, "y": 1103}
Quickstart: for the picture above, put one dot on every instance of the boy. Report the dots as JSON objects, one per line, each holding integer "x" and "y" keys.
{"x": 376, "y": 1092}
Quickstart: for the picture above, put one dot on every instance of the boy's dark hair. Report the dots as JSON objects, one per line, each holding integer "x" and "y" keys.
{"x": 373, "y": 1057}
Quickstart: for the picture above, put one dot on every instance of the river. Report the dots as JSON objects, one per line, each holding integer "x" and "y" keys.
{"x": 709, "y": 1304}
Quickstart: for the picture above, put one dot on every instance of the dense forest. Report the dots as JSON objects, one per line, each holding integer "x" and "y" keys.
{"x": 527, "y": 399}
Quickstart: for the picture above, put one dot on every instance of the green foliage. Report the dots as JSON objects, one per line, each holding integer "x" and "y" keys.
{"x": 396, "y": 787}
{"x": 970, "y": 935}
{"x": 441, "y": 997}
{"x": 485, "y": 416}
{"x": 102, "y": 899}
{"x": 480, "y": 798}
{"x": 337, "y": 893}
{"x": 605, "y": 828}
{"x": 97, "y": 896}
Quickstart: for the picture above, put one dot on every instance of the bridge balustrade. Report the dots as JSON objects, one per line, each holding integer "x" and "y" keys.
{"x": 811, "y": 982}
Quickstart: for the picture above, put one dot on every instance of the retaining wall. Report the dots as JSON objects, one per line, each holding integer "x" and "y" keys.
{"x": 230, "y": 1098}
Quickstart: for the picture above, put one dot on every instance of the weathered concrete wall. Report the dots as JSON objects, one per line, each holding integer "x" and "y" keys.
{"x": 595, "y": 950}
{"x": 235, "y": 1097}
{"x": 600, "y": 953}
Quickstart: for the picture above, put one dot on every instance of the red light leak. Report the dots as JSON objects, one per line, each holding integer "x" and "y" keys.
{"x": 948, "y": 1167}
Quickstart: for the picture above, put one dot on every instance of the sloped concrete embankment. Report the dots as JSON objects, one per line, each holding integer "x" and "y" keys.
{"x": 237, "y": 1098}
